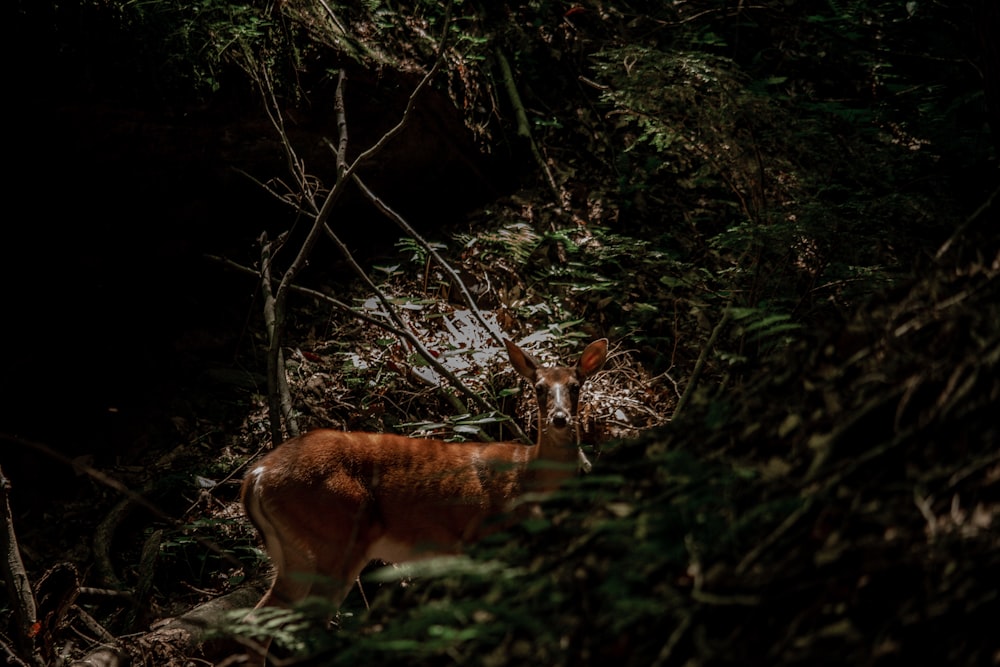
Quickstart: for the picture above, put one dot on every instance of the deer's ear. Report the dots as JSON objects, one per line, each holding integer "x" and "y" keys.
{"x": 593, "y": 358}
{"x": 522, "y": 362}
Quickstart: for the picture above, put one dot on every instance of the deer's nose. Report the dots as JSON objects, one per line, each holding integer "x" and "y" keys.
{"x": 560, "y": 419}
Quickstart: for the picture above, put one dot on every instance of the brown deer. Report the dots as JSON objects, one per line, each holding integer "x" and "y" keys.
{"x": 328, "y": 502}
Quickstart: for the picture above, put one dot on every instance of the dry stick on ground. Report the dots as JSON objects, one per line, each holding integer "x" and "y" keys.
{"x": 104, "y": 534}
{"x": 18, "y": 587}
{"x": 130, "y": 495}
{"x": 176, "y": 640}
{"x": 399, "y": 331}
{"x": 245, "y": 597}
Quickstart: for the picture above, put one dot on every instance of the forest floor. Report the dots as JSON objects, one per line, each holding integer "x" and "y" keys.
{"x": 839, "y": 503}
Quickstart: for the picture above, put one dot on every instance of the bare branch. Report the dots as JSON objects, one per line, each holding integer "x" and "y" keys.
{"x": 391, "y": 134}
{"x": 280, "y": 407}
{"x": 273, "y": 109}
{"x": 523, "y": 127}
{"x": 336, "y": 303}
{"x": 445, "y": 266}
{"x": 401, "y": 326}
{"x": 700, "y": 364}
{"x": 19, "y": 592}
{"x": 399, "y": 329}
{"x": 278, "y": 396}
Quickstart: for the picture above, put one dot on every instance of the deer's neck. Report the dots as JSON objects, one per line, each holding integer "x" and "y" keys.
{"x": 554, "y": 457}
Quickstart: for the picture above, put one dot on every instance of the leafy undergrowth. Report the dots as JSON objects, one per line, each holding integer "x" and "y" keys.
{"x": 839, "y": 506}
{"x": 829, "y": 493}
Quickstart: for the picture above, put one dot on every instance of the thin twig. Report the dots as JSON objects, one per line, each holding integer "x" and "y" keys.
{"x": 12, "y": 657}
{"x": 278, "y": 395}
{"x": 407, "y": 112}
{"x": 978, "y": 214}
{"x": 322, "y": 215}
{"x": 700, "y": 364}
{"x": 273, "y": 109}
{"x": 523, "y": 127}
{"x": 397, "y": 330}
{"x": 114, "y": 484}
{"x": 340, "y": 305}
{"x": 333, "y": 17}
{"x": 445, "y": 266}
{"x": 675, "y": 637}
{"x": 775, "y": 535}
{"x": 321, "y": 218}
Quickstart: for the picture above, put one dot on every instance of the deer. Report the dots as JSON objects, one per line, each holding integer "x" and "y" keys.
{"x": 328, "y": 502}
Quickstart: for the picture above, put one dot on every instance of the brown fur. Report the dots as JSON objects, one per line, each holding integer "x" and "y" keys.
{"x": 328, "y": 502}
